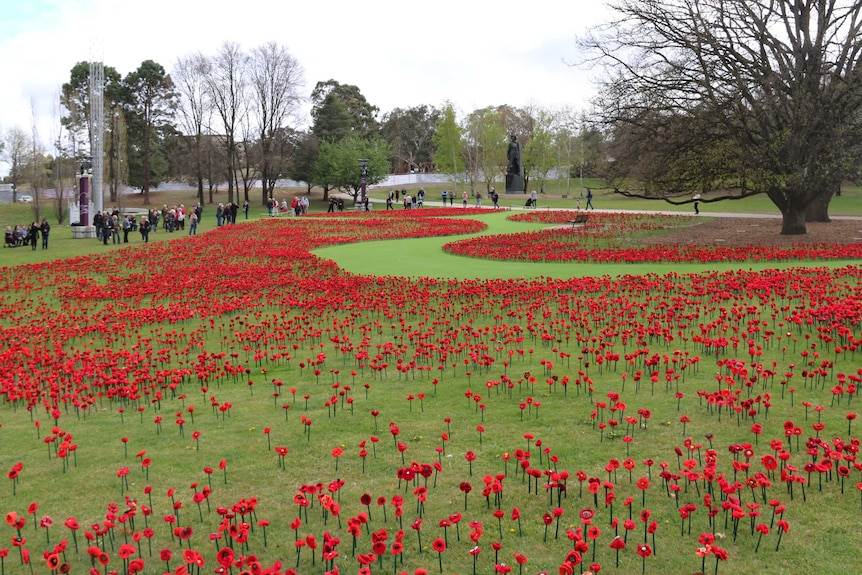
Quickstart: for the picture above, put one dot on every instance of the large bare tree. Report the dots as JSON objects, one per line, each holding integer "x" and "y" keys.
{"x": 276, "y": 81}
{"x": 741, "y": 97}
{"x": 63, "y": 165}
{"x": 228, "y": 88}
{"x": 36, "y": 170}
{"x": 194, "y": 112}
{"x": 15, "y": 153}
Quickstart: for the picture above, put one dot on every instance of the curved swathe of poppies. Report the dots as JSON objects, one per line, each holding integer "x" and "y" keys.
{"x": 598, "y": 241}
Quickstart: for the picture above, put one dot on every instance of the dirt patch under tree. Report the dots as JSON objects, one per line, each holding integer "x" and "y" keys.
{"x": 744, "y": 231}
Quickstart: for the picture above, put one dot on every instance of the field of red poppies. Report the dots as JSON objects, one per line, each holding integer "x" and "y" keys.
{"x": 232, "y": 403}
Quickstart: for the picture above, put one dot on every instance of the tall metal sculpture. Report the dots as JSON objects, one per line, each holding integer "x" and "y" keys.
{"x": 97, "y": 126}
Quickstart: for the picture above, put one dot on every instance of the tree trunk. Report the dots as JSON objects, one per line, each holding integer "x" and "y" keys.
{"x": 818, "y": 209}
{"x": 201, "y": 189}
{"x": 793, "y": 221}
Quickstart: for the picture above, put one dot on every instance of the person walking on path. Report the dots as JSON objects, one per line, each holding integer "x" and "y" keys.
{"x": 464, "y": 197}
{"x": 589, "y": 200}
{"x": 696, "y": 204}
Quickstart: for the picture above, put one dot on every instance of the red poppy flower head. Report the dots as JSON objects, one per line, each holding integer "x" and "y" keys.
{"x": 438, "y": 545}
{"x": 644, "y": 550}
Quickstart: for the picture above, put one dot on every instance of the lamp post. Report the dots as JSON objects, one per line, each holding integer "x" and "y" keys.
{"x": 363, "y": 174}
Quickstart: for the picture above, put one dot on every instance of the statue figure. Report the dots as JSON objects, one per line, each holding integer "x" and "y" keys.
{"x": 513, "y": 154}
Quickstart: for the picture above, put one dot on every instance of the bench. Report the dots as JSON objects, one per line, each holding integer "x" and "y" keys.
{"x": 580, "y": 219}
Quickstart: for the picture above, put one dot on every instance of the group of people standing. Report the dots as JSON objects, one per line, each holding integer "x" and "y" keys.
{"x": 23, "y": 235}
{"x": 408, "y": 201}
{"x": 226, "y": 213}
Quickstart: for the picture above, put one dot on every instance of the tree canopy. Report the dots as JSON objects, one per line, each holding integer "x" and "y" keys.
{"x": 338, "y": 109}
{"x": 741, "y": 97}
{"x": 410, "y": 132}
{"x": 337, "y": 163}
{"x": 151, "y": 101}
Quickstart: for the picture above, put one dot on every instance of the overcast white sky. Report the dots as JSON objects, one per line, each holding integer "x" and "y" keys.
{"x": 474, "y": 53}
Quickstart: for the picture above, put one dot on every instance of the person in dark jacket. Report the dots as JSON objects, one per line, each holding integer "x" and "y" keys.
{"x": 45, "y": 229}
{"x": 33, "y": 236}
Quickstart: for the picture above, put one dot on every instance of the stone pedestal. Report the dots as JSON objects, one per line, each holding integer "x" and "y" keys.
{"x": 514, "y": 184}
{"x": 83, "y": 232}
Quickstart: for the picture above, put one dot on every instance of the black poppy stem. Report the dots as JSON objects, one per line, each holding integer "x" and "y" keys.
{"x": 440, "y": 561}
{"x": 643, "y": 565}
{"x": 759, "y": 537}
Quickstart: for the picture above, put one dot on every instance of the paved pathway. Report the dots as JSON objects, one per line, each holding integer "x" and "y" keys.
{"x": 458, "y": 204}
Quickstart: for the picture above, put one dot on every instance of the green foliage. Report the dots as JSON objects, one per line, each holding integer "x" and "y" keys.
{"x": 75, "y": 97}
{"x": 337, "y": 164}
{"x": 151, "y": 100}
{"x": 339, "y": 109}
{"x": 332, "y": 120}
{"x": 411, "y": 132}
{"x": 538, "y": 152}
{"x": 486, "y": 146}
{"x": 447, "y": 141}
